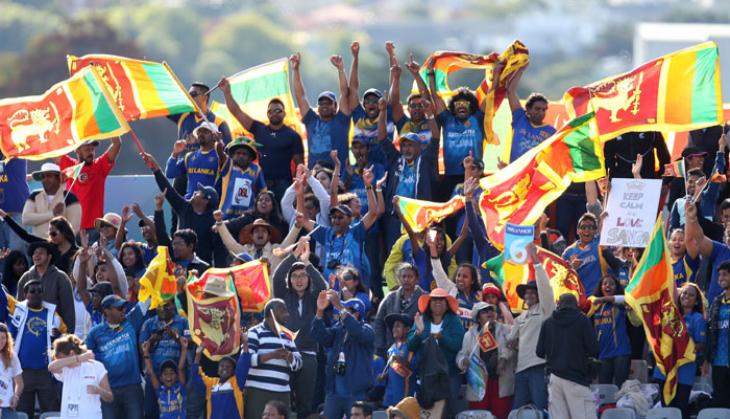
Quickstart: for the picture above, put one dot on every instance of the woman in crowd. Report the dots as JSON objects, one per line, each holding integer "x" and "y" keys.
{"x": 350, "y": 286}
{"x": 132, "y": 259}
{"x": 15, "y": 266}
{"x": 692, "y": 305}
{"x": 497, "y": 358}
{"x": 466, "y": 285}
{"x": 493, "y": 295}
{"x": 609, "y": 319}
{"x": 685, "y": 267}
{"x": 60, "y": 235}
{"x": 267, "y": 208}
{"x": 84, "y": 379}
{"x": 11, "y": 375}
{"x": 438, "y": 318}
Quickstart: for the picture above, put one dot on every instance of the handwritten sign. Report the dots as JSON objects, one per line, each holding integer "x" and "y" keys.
{"x": 632, "y": 211}
{"x": 516, "y": 238}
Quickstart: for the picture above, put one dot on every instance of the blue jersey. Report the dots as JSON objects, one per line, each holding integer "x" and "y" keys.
{"x": 525, "y": 135}
{"x": 239, "y": 188}
{"x": 398, "y": 386}
{"x": 368, "y": 128}
{"x": 325, "y": 136}
{"x": 171, "y": 401}
{"x": 594, "y": 265}
{"x": 405, "y": 125}
{"x": 116, "y": 348}
{"x": 696, "y": 326}
{"x": 199, "y": 166}
{"x": 722, "y": 355}
{"x": 345, "y": 249}
{"x": 13, "y": 187}
{"x": 167, "y": 347}
{"x": 460, "y": 138}
{"x": 357, "y": 186}
{"x": 685, "y": 269}
{"x": 609, "y": 321}
{"x": 407, "y": 185}
{"x": 33, "y": 348}
{"x": 720, "y": 253}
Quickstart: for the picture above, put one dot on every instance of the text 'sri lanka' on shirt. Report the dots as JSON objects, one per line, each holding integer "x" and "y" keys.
{"x": 460, "y": 137}
{"x": 13, "y": 187}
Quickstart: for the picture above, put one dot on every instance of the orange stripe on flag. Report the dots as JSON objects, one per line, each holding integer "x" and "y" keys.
{"x": 680, "y": 73}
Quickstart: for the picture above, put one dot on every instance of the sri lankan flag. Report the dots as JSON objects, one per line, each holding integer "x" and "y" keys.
{"x": 52, "y": 124}
{"x": 253, "y": 88}
{"x": 520, "y": 192}
{"x": 158, "y": 282}
{"x": 677, "y": 92}
{"x": 420, "y": 214}
{"x": 508, "y": 276}
{"x": 141, "y": 89}
{"x": 651, "y": 295}
{"x": 72, "y": 172}
{"x": 251, "y": 281}
{"x": 214, "y": 319}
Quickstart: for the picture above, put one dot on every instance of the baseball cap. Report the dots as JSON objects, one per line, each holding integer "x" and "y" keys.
{"x": 343, "y": 208}
{"x": 208, "y": 192}
{"x": 327, "y": 95}
{"x": 113, "y": 301}
{"x": 372, "y": 91}
{"x": 207, "y": 125}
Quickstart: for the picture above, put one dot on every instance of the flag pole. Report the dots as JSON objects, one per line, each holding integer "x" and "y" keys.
{"x": 136, "y": 141}
{"x": 68, "y": 191}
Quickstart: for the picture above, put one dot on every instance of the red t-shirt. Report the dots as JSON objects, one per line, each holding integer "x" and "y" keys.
{"x": 89, "y": 187}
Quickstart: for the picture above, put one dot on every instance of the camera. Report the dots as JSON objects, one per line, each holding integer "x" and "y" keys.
{"x": 340, "y": 364}
{"x": 333, "y": 264}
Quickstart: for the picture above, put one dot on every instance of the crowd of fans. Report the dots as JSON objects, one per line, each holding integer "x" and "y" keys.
{"x": 387, "y": 318}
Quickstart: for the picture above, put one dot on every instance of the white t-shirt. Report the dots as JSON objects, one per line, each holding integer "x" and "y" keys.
{"x": 7, "y": 387}
{"x": 76, "y": 402}
{"x": 436, "y": 328}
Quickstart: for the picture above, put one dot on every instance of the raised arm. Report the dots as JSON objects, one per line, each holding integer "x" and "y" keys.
{"x": 414, "y": 68}
{"x": 695, "y": 239}
{"x": 395, "y": 73}
{"x": 460, "y": 239}
{"x": 114, "y": 149}
{"x": 409, "y": 230}
{"x": 233, "y": 106}
{"x": 437, "y": 269}
{"x": 383, "y": 118}
{"x": 512, "y": 85}
{"x": 438, "y": 102}
{"x": 84, "y": 256}
{"x": 121, "y": 231}
{"x": 344, "y": 104}
{"x": 335, "y": 184}
{"x": 299, "y": 93}
{"x": 353, "y": 97}
{"x": 231, "y": 244}
{"x": 496, "y": 74}
{"x": 373, "y": 212}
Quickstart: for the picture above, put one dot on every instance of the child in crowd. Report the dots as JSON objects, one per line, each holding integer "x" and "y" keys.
{"x": 399, "y": 373}
{"x": 170, "y": 386}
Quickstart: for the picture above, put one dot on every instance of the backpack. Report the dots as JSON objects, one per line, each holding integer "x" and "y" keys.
{"x": 434, "y": 381}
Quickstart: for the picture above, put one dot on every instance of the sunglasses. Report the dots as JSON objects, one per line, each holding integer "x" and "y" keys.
{"x": 415, "y": 105}
{"x": 462, "y": 103}
{"x": 587, "y": 227}
{"x": 277, "y": 110}
{"x": 371, "y": 100}
{"x": 34, "y": 290}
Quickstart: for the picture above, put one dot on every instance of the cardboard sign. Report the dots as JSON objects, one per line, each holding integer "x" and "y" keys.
{"x": 516, "y": 238}
{"x": 632, "y": 211}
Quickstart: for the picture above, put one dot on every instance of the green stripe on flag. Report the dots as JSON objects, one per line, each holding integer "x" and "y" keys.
{"x": 704, "y": 100}
{"x": 441, "y": 86}
{"x": 167, "y": 88}
{"x": 106, "y": 120}
{"x": 260, "y": 88}
{"x": 582, "y": 150}
{"x": 496, "y": 267}
{"x": 653, "y": 255}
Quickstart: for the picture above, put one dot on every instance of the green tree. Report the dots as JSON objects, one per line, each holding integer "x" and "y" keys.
{"x": 19, "y": 23}
{"x": 238, "y": 42}
{"x": 44, "y": 63}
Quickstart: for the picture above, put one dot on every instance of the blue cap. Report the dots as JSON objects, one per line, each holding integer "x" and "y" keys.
{"x": 411, "y": 136}
{"x": 327, "y": 95}
{"x": 372, "y": 91}
{"x": 354, "y": 303}
{"x": 360, "y": 138}
{"x": 113, "y": 301}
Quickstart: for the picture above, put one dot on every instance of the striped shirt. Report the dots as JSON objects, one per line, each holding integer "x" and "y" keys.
{"x": 272, "y": 375}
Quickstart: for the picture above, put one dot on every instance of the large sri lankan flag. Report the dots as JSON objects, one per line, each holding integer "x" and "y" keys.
{"x": 520, "y": 192}
{"x": 141, "y": 89}
{"x": 677, "y": 92}
{"x": 52, "y": 124}
{"x": 651, "y": 295}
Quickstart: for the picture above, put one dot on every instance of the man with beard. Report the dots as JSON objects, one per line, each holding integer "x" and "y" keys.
{"x": 328, "y": 128}
{"x": 89, "y": 187}
{"x": 280, "y": 144}
{"x": 198, "y": 166}
{"x": 240, "y": 179}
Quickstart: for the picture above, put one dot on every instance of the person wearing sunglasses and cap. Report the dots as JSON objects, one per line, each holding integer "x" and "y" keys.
{"x": 89, "y": 185}
{"x": 34, "y": 326}
{"x": 328, "y": 129}
{"x": 50, "y": 201}
{"x": 240, "y": 179}
{"x": 279, "y": 144}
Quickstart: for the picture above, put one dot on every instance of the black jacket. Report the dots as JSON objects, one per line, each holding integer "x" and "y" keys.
{"x": 566, "y": 342}
{"x": 620, "y": 154}
{"x": 713, "y": 329}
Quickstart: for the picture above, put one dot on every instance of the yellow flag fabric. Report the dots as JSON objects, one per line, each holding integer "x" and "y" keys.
{"x": 158, "y": 282}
